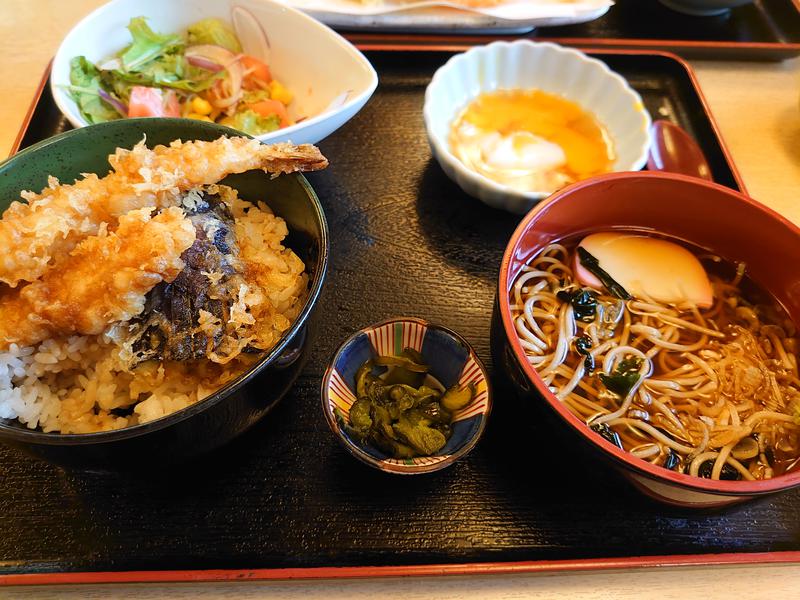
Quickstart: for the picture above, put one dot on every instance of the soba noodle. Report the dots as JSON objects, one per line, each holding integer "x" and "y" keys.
{"x": 712, "y": 392}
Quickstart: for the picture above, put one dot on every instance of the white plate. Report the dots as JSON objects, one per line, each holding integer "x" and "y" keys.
{"x": 330, "y": 78}
{"x": 513, "y": 16}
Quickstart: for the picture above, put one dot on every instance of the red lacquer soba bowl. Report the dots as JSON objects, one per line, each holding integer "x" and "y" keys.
{"x": 704, "y": 214}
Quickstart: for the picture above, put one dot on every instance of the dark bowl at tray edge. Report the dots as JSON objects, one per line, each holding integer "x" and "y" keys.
{"x": 238, "y": 405}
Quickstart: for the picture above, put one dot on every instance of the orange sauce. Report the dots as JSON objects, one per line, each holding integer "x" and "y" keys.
{"x": 541, "y": 122}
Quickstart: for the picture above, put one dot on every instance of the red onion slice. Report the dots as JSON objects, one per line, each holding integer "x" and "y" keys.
{"x": 215, "y": 54}
{"x": 204, "y": 63}
{"x": 117, "y": 105}
{"x": 227, "y": 60}
{"x": 251, "y": 33}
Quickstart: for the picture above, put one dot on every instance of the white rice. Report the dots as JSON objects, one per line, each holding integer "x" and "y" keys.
{"x": 73, "y": 384}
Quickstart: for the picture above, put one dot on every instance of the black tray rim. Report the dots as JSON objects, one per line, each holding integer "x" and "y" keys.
{"x": 423, "y": 570}
{"x": 776, "y": 51}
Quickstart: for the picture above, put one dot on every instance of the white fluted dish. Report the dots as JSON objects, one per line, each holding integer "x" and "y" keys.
{"x": 532, "y": 65}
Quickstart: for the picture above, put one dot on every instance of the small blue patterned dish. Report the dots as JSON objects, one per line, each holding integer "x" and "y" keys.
{"x": 451, "y": 359}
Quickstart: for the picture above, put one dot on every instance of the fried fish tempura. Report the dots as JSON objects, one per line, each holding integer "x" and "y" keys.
{"x": 53, "y": 222}
{"x": 103, "y": 280}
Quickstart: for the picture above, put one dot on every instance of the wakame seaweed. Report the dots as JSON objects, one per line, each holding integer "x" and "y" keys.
{"x": 583, "y": 346}
{"x": 584, "y": 303}
{"x": 624, "y": 377}
{"x": 593, "y": 266}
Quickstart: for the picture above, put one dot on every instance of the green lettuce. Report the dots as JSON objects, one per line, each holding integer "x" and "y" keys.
{"x": 85, "y": 86}
{"x": 147, "y": 45}
{"x": 254, "y": 96}
{"x": 253, "y": 123}
{"x": 215, "y": 32}
{"x": 171, "y": 71}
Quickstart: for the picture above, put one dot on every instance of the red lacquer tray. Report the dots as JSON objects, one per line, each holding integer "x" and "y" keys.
{"x": 285, "y": 501}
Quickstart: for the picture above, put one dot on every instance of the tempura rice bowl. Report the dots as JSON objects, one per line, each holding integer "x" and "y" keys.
{"x": 195, "y": 426}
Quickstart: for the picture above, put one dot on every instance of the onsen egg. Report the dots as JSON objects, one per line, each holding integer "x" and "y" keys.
{"x": 647, "y": 267}
{"x": 530, "y": 140}
{"x": 521, "y": 151}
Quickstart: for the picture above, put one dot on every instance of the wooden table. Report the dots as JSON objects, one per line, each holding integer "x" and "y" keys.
{"x": 756, "y": 106}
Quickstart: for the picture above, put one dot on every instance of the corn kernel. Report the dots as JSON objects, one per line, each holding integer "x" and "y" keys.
{"x": 279, "y": 92}
{"x": 199, "y": 117}
{"x": 201, "y": 106}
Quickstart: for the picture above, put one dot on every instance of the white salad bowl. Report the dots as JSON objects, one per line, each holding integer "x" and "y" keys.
{"x": 331, "y": 80}
{"x": 532, "y": 65}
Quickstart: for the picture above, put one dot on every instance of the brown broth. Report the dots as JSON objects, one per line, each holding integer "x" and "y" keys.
{"x": 752, "y": 376}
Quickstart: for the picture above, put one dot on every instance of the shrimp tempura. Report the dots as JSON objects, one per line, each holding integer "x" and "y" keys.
{"x": 53, "y": 222}
{"x": 104, "y": 280}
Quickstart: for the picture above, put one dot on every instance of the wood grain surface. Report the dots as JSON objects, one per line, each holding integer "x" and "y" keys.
{"x": 757, "y": 109}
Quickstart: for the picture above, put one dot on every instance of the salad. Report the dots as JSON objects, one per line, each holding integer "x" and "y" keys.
{"x": 201, "y": 74}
